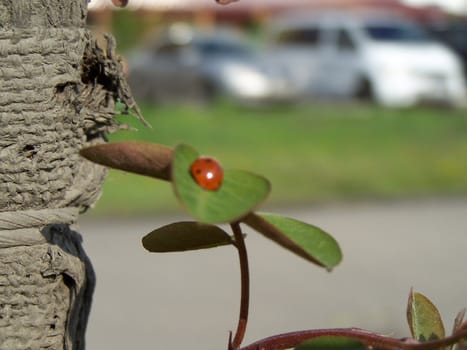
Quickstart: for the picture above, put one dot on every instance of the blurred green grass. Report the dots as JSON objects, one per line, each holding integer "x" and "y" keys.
{"x": 315, "y": 153}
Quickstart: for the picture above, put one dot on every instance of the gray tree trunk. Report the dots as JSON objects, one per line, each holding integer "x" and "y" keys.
{"x": 57, "y": 94}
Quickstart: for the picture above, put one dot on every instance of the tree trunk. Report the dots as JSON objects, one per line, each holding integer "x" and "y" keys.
{"x": 57, "y": 94}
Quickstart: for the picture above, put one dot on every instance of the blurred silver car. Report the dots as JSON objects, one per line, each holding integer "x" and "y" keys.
{"x": 383, "y": 57}
{"x": 184, "y": 64}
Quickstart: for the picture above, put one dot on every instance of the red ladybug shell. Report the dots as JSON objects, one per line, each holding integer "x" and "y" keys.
{"x": 208, "y": 173}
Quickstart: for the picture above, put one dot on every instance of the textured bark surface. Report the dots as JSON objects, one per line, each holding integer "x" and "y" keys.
{"x": 57, "y": 94}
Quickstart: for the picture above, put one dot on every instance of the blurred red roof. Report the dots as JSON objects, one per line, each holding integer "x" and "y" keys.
{"x": 243, "y": 7}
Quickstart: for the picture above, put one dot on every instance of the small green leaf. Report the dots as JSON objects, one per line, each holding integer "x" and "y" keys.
{"x": 305, "y": 240}
{"x": 331, "y": 343}
{"x": 187, "y": 235}
{"x": 143, "y": 158}
{"x": 424, "y": 319}
{"x": 238, "y": 195}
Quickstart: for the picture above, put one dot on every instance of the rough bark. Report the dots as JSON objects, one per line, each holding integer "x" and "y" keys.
{"x": 57, "y": 94}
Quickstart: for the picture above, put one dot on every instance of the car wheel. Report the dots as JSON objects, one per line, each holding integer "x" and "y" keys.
{"x": 364, "y": 91}
{"x": 141, "y": 90}
{"x": 209, "y": 92}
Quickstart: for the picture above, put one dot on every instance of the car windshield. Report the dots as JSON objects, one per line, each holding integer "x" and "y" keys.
{"x": 219, "y": 48}
{"x": 396, "y": 32}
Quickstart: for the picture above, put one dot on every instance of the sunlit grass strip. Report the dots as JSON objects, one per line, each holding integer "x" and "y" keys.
{"x": 311, "y": 154}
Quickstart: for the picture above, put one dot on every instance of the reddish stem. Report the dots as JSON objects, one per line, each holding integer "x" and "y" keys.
{"x": 376, "y": 341}
{"x": 245, "y": 286}
{"x": 293, "y": 339}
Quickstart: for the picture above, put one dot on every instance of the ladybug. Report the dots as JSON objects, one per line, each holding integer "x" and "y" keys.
{"x": 207, "y": 173}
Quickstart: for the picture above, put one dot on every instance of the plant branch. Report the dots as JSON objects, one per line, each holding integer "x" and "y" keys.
{"x": 376, "y": 341}
{"x": 245, "y": 286}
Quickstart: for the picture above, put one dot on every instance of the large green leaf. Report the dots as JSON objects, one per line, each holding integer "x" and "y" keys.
{"x": 424, "y": 319}
{"x": 331, "y": 343}
{"x": 142, "y": 158}
{"x": 305, "y": 240}
{"x": 239, "y": 193}
{"x": 187, "y": 235}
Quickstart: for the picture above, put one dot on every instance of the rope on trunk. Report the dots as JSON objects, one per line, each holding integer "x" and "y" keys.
{"x": 30, "y": 227}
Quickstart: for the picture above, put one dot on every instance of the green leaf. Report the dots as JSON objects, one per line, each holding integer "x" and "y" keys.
{"x": 331, "y": 343}
{"x": 238, "y": 195}
{"x": 143, "y": 158}
{"x": 424, "y": 319}
{"x": 187, "y": 235}
{"x": 305, "y": 240}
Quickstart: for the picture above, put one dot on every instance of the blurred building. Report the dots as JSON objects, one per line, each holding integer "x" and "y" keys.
{"x": 244, "y": 12}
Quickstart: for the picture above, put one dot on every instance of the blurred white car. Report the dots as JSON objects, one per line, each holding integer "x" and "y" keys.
{"x": 184, "y": 64}
{"x": 367, "y": 55}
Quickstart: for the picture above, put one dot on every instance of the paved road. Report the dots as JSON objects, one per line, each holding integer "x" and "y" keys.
{"x": 189, "y": 301}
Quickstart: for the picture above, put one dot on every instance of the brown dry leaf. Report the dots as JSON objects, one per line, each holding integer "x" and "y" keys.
{"x": 225, "y": 2}
{"x": 144, "y": 158}
{"x": 120, "y": 3}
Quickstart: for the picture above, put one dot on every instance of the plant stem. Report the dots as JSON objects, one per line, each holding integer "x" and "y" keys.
{"x": 377, "y": 341}
{"x": 245, "y": 285}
